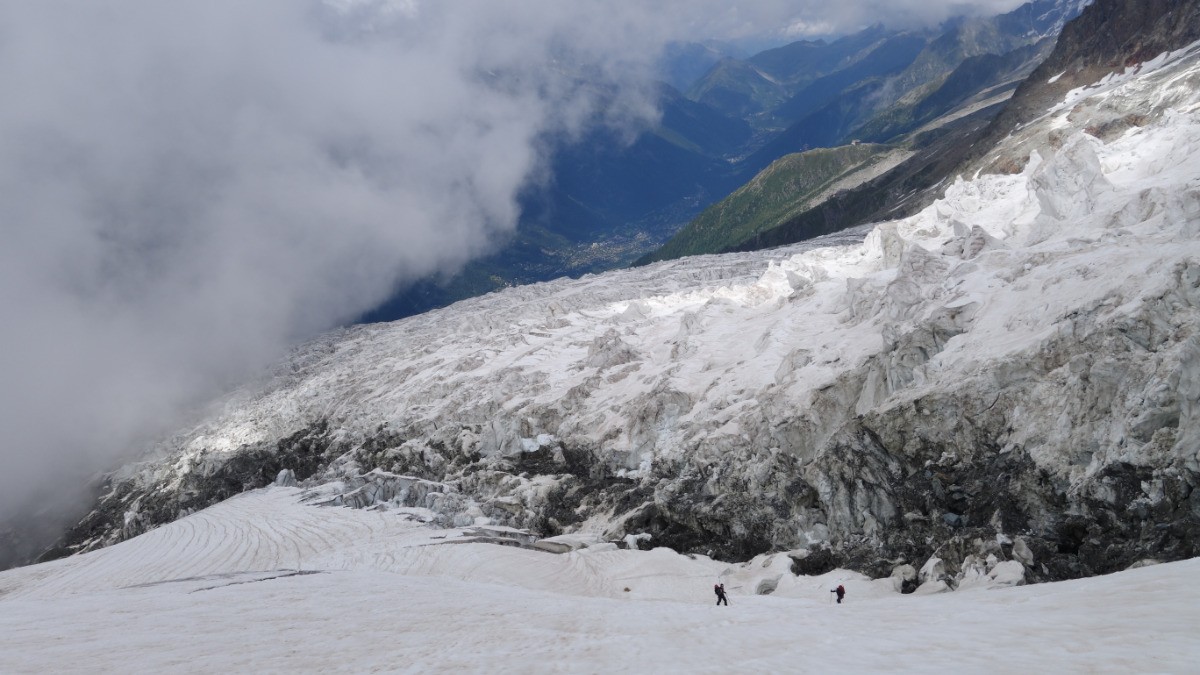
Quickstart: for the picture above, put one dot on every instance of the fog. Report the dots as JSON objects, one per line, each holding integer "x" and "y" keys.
{"x": 187, "y": 188}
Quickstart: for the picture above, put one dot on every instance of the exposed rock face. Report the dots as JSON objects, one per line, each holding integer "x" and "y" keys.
{"x": 1107, "y": 37}
{"x": 1110, "y": 35}
{"x": 1004, "y": 386}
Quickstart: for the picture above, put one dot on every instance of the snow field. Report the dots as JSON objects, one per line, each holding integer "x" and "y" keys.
{"x": 217, "y": 592}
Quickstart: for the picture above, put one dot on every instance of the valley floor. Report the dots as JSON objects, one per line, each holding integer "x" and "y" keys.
{"x": 264, "y": 583}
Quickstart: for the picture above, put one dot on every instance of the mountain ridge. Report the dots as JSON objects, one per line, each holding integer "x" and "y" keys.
{"x": 570, "y": 226}
{"x": 1087, "y": 48}
{"x": 786, "y": 187}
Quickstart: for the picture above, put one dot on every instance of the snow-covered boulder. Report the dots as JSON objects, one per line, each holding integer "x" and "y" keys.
{"x": 1008, "y": 573}
{"x": 932, "y": 571}
{"x": 904, "y": 578}
{"x": 1021, "y": 552}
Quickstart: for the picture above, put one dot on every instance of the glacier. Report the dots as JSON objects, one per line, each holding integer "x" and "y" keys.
{"x": 1011, "y": 375}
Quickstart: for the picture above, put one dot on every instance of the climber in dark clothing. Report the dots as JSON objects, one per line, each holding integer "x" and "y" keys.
{"x": 719, "y": 589}
{"x": 841, "y": 592}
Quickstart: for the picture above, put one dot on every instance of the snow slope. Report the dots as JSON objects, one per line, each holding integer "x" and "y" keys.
{"x": 1021, "y": 360}
{"x": 219, "y": 591}
{"x": 734, "y": 334}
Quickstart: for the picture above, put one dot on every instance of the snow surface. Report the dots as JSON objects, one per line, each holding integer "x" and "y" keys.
{"x": 1115, "y": 80}
{"x": 265, "y": 583}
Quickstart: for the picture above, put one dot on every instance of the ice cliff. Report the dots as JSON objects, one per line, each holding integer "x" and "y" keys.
{"x": 1010, "y": 378}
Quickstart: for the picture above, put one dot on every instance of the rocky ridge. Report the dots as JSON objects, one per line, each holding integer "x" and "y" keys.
{"x": 1107, "y": 37}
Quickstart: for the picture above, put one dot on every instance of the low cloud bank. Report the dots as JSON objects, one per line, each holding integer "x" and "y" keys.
{"x": 187, "y": 188}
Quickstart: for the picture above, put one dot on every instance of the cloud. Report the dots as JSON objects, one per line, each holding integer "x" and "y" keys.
{"x": 801, "y": 28}
{"x": 790, "y": 19}
{"x": 187, "y": 188}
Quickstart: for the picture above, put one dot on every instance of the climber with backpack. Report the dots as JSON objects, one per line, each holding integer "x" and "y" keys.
{"x": 719, "y": 589}
{"x": 841, "y": 593}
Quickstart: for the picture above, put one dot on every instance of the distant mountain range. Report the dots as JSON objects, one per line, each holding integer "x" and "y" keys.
{"x": 725, "y": 119}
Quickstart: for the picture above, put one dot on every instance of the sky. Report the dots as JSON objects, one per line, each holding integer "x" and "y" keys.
{"x": 189, "y": 188}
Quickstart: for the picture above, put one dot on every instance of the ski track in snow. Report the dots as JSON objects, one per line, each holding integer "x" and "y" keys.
{"x": 217, "y": 592}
